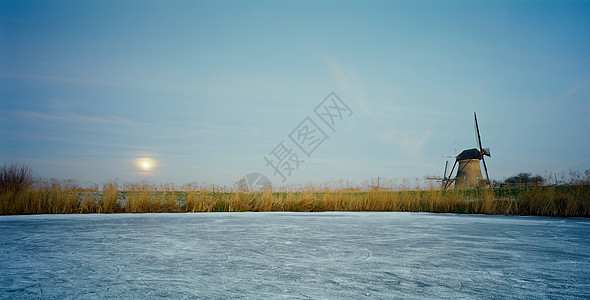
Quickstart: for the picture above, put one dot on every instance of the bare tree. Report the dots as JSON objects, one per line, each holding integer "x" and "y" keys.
{"x": 15, "y": 178}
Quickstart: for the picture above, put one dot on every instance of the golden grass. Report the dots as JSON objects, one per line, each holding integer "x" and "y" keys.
{"x": 52, "y": 197}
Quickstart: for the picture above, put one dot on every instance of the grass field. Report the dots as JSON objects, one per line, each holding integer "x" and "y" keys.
{"x": 52, "y": 197}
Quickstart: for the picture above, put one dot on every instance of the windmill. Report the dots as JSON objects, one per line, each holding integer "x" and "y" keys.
{"x": 468, "y": 172}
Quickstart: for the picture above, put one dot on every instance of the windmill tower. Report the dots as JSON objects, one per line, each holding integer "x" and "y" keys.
{"x": 469, "y": 173}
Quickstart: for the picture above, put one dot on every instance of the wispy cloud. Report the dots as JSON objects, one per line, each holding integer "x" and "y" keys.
{"x": 571, "y": 165}
{"x": 410, "y": 144}
{"x": 55, "y": 79}
{"x": 70, "y": 117}
{"x": 350, "y": 82}
{"x": 124, "y": 126}
{"x": 574, "y": 89}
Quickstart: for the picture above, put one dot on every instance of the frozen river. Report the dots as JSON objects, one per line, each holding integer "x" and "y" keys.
{"x": 293, "y": 256}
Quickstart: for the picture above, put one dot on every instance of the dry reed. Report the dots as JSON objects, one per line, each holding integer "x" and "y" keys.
{"x": 53, "y": 197}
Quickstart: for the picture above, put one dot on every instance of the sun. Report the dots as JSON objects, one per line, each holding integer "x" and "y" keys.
{"x": 145, "y": 164}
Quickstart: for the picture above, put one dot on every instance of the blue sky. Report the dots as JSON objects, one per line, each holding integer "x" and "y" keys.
{"x": 207, "y": 89}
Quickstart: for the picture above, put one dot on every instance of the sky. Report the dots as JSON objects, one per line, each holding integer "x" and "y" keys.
{"x": 210, "y": 91}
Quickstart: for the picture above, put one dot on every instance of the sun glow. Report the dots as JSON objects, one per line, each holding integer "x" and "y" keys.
{"x": 145, "y": 164}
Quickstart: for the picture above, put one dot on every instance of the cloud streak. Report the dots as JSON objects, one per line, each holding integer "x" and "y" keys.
{"x": 72, "y": 118}
{"x": 410, "y": 144}
{"x": 350, "y": 82}
{"x": 574, "y": 89}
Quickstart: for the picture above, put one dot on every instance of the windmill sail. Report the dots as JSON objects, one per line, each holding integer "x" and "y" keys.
{"x": 483, "y": 151}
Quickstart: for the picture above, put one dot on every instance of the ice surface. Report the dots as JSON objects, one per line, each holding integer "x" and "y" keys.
{"x": 293, "y": 255}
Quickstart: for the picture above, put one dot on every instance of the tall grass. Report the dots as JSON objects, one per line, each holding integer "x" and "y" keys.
{"x": 65, "y": 197}
{"x": 144, "y": 198}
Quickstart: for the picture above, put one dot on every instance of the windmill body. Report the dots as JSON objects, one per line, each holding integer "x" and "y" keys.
{"x": 468, "y": 171}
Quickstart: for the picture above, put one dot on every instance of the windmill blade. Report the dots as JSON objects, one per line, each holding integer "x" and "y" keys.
{"x": 446, "y": 165}
{"x": 451, "y": 156}
{"x": 486, "y": 169}
{"x": 477, "y": 133}
{"x": 453, "y": 168}
{"x": 448, "y": 181}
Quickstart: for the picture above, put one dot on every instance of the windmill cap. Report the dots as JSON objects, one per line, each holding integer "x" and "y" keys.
{"x": 469, "y": 154}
